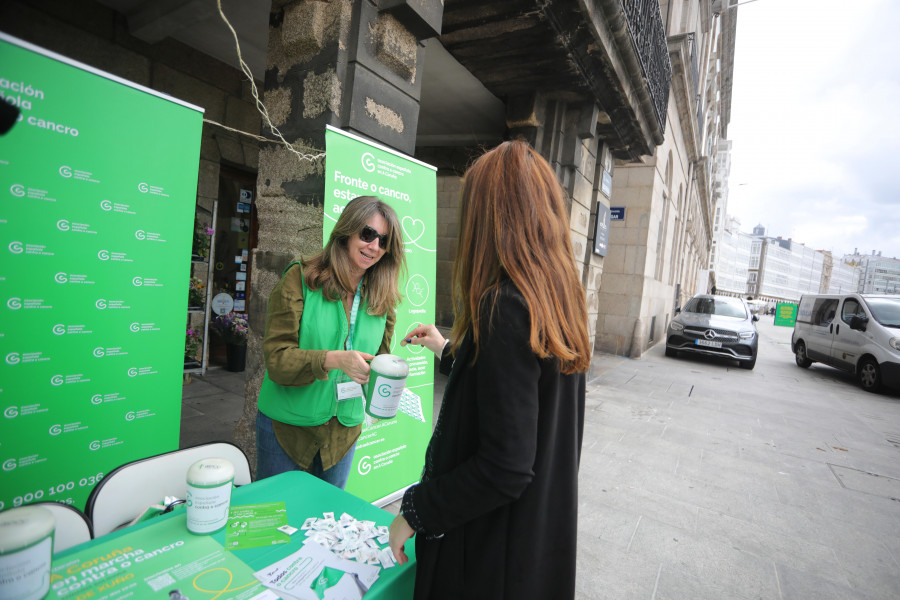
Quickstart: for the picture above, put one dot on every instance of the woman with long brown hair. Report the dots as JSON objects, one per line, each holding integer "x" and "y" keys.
{"x": 327, "y": 316}
{"x": 494, "y": 515}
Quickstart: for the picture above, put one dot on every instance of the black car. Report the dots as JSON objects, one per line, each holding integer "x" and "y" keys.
{"x": 715, "y": 326}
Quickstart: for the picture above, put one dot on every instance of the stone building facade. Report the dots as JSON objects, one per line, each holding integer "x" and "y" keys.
{"x": 659, "y": 252}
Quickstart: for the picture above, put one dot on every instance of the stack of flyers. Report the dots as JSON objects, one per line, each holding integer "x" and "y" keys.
{"x": 351, "y": 539}
{"x": 314, "y": 573}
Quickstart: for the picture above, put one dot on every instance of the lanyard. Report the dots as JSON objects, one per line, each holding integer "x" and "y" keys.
{"x": 349, "y": 344}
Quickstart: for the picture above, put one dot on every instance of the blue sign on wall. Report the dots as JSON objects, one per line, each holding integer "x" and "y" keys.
{"x": 606, "y": 183}
{"x": 616, "y": 213}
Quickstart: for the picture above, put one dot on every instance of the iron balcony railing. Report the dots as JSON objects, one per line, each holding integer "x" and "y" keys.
{"x": 649, "y": 36}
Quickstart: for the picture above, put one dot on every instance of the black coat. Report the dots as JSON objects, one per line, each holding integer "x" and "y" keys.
{"x": 501, "y": 471}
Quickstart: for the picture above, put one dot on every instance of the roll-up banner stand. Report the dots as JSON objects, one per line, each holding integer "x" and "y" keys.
{"x": 98, "y": 184}
{"x": 390, "y": 453}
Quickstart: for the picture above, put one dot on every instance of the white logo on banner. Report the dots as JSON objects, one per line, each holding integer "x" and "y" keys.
{"x": 14, "y": 303}
{"x": 61, "y": 278}
{"x": 59, "y": 329}
{"x": 13, "y": 358}
{"x": 97, "y": 399}
{"x": 137, "y": 281}
{"x": 129, "y": 416}
{"x": 11, "y": 412}
{"x": 65, "y": 171}
{"x": 143, "y": 188}
{"x": 135, "y": 327}
{"x": 9, "y": 465}
{"x": 62, "y": 225}
{"x": 94, "y": 446}
{"x": 55, "y": 429}
{"x": 99, "y": 352}
{"x": 106, "y": 205}
{"x": 101, "y": 304}
{"x": 132, "y": 372}
{"x": 57, "y": 380}
{"x": 140, "y": 234}
{"x": 103, "y": 255}
{"x": 16, "y": 247}
{"x": 365, "y": 465}
{"x": 17, "y": 190}
{"x": 368, "y": 162}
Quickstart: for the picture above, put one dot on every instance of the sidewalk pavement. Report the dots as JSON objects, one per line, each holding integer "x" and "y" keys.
{"x": 700, "y": 479}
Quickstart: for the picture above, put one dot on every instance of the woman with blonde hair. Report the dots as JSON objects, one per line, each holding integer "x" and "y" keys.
{"x": 494, "y": 515}
{"x": 327, "y": 316}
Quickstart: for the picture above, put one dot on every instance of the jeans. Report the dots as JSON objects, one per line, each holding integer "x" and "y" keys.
{"x": 271, "y": 459}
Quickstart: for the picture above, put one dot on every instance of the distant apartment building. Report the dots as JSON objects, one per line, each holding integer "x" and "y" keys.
{"x": 844, "y": 278}
{"x": 877, "y": 274}
{"x": 730, "y": 258}
{"x": 783, "y": 270}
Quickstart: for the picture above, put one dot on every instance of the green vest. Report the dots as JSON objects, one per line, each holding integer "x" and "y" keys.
{"x": 323, "y": 326}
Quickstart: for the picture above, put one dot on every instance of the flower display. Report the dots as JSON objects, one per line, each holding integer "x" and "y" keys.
{"x": 196, "y": 292}
{"x": 232, "y": 327}
{"x": 192, "y": 342}
{"x": 202, "y": 234}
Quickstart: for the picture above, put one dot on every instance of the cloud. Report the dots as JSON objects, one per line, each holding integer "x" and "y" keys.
{"x": 815, "y": 127}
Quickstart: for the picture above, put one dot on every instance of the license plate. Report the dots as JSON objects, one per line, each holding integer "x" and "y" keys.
{"x": 708, "y": 343}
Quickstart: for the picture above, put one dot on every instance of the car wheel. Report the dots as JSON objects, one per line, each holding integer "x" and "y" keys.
{"x": 671, "y": 352}
{"x": 869, "y": 375}
{"x": 749, "y": 364}
{"x": 800, "y": 356}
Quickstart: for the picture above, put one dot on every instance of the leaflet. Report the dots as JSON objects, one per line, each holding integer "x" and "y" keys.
{"x": 254, "y": 525}
{"x": 314, "y": 573}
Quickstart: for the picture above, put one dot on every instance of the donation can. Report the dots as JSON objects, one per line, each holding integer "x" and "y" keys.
{"x": 386, "y": 382}
{"x": 209, "y": 483}
{"x": 26, "y": 550}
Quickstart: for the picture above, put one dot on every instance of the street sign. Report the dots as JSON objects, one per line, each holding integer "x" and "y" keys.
{"x": 785, "y": 314}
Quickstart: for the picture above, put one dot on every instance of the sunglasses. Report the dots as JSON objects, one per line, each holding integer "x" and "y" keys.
{"x": 368, "y": 234}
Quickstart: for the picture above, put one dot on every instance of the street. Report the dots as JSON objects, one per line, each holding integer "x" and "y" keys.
{"x": 700, "y": 479}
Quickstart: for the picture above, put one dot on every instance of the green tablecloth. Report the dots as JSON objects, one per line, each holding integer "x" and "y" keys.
{"x": 150, "y": 559}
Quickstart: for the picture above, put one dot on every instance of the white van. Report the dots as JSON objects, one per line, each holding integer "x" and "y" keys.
{"x": 859, "y": 333}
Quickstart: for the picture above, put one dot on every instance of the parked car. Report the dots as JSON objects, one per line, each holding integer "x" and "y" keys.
{"x": 715, "y": 326}
{"x": 859, "y": 333}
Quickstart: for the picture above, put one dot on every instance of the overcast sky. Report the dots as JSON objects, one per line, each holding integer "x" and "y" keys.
{"x": 815, "y": 123}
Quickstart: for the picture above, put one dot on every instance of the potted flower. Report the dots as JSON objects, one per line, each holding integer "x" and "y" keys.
{"x": 234, "y": 330}
{"x": 196, "y": 293}
{"x": 192, "y": 342}
{"x": 202, "y": 234}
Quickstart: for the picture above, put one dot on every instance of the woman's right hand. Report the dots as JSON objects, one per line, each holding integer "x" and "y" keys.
{"x": 351, "y": 362}
{"x": 428, "y": 336}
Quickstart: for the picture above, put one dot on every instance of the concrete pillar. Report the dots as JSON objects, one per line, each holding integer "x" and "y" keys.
{"x": 356, "y": 65}
{"x": 564, "y": 131}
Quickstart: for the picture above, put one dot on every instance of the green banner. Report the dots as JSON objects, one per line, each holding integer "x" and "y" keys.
{"x": 390, "y": 453}
{"x": 98, "y": 182}
{"x": 785, "y": 314}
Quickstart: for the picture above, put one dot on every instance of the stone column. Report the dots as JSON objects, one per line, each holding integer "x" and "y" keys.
{"x": 564, "y": 131}
{"x": 356, "y": 65}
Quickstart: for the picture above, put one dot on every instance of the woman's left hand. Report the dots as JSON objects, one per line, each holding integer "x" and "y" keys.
{"x": 400, "y": 531}
{"x": 351, "y": 362}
